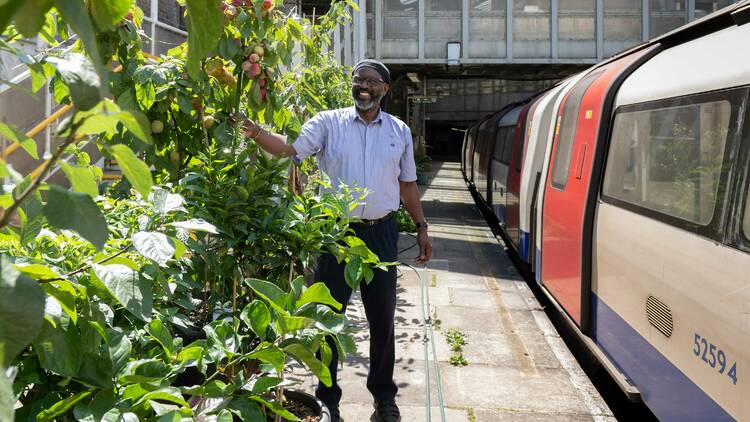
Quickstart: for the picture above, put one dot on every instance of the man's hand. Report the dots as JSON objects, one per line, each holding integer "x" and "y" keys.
{"x": 425, "y": 247}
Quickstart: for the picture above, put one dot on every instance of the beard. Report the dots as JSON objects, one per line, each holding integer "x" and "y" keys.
{"x": 366, "y": 104}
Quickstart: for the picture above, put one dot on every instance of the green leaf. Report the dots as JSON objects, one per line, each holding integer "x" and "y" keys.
{"x": 257, "y": 316}
{"x": 108, "y": 13}
{"x": 4, "y": 169}
{"x": 169, "y": 394}
{"x": 291, "y": 324}
{"x": 325, "y": 318}
{"x": 154, "y": 246}
{"x": 137, "y": 123}
{"x": 76, "y": 211}
{"x": 8, "y": 9}
{"x": 119, "y": 348}
{"x": 65, "y": 294}
{"x": 79, "y": 76}
{"x": 129, "y": 289}
{"x": 75, "y": 14}
{"x": 271, "y": 355}
{"x": 277, "y": 408}
{"x": 179, "y": 247}
{"x": 205, "y": 25}
{"x": 21, "y": 311}
{"x": 37, "y": 271}
{"x": 262, "y": 384}
{"x": 269, "y": 291}
{"x": 161, "y": 334}
{"x": 82, "y": 179}
{"x": 136, "y": 171}
{"x": 30, "y": 16}
{"x": 145, "y": 94}
{"x": 317, "y": 293}
{"x": 59, "y": 349}
{"x": 306, "y": 357}
{"x": 353, "y": 273}
{"x": 15, "y": 134}
{"x": 246, "y": 409}
{"x": 195, "y": 224}
{"x": 61, "y": 407}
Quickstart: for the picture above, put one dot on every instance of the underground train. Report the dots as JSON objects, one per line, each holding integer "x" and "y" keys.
{"x": 625, "y": 190}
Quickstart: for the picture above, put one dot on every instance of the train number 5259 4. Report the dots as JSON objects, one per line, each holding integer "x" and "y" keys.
{"x": 714, "y": 357}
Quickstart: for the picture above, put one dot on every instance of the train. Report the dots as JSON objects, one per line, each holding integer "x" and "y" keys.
{"x": 625, "y": 191}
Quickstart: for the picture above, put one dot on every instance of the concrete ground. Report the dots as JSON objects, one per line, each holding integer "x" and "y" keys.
{"x": 518, "y": 367}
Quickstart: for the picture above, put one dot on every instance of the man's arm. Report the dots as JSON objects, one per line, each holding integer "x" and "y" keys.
{"x": 410, "y": 197}
{"x": 271, "y": 142}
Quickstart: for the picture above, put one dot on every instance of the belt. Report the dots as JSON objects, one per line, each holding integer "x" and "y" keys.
{"x": 370, "y": 223}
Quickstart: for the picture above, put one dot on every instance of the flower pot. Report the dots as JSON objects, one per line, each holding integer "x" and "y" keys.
{"x": 309, "y": 401}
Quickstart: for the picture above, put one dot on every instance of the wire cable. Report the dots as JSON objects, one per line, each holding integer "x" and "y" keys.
{"x": 428, "y": 336}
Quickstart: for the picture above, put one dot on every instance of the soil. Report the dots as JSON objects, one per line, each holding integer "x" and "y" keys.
{"x": 301, "y": 411}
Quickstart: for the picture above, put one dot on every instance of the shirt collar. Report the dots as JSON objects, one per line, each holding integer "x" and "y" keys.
{"x": 378, "y": 119}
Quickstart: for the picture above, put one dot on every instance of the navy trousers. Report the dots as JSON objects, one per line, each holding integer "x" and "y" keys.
{"x": 379, "y": 299}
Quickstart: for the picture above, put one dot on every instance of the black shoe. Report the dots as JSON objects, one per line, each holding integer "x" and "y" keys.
{"x": 335, "y": 415}
{"x": 386, "y": 411}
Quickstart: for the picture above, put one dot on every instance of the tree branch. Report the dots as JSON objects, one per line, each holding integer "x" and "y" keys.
{"x": 8, "y": 213}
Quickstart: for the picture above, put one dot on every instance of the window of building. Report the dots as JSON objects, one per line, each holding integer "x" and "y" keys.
{"x": 486, "y": 28}
{"x": 567, "y": 132}
{"x": 576, "y": 28}
{"x": 442, "y": 25}
{"x": 622, "y": 25}
{"x": 669, "y": 159}
{"x": 400, "y": 29}
{"x": 746, "y": 218}
{"x": 666, "y": 15}
{"x": 531, "y": 28}
{"x": 706, "y": 7}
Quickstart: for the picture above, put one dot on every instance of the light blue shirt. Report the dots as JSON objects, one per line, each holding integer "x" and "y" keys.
{"x": 375, "y": 156}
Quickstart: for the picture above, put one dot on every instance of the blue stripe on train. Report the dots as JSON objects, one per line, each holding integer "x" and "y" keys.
{"x": 538, "y": 265}
{"x": 524, "y": 250}
{"x": 669, "y": 393}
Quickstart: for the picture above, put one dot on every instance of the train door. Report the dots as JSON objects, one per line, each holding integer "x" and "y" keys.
{"x": 503, "y": 144}
{"x": 567, "y": 189}
{"x": 514, "y": 178}
{"x": 476, "y": 155}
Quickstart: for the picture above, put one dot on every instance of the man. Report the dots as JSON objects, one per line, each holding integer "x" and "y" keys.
{"x": 369, "y": 148}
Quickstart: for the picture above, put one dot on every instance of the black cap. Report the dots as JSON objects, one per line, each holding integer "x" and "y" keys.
{"x": 374, "y": 64}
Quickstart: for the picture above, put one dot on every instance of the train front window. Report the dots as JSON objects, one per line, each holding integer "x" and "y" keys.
{"x": 670, "y": 159}
{"x": 567, "y": 132}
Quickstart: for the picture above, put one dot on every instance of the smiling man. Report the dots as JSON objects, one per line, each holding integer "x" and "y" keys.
{"x": 366, "y": 147}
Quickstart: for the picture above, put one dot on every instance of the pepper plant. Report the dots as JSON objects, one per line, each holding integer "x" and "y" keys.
{"x": 179, "y": 292}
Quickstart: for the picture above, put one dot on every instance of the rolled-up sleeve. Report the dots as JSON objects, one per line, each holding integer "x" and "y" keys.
{"x": 312, "y": 137}
{"x": 408, "y": 167}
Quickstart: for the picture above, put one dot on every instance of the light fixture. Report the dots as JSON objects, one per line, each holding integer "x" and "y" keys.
{"x": 413, "y": 77}
{"x": 454, "y": 53}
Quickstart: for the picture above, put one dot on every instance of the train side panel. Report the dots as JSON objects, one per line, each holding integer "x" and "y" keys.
{"x": 538, "y": 124}
{"x": 672, "y": 246}
{"x": 499, "y": 161}
{"x": 549, "y": 136}
{"x": 514, "y": 179}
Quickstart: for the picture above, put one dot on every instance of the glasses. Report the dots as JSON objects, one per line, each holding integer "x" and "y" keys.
{"x": 357, "y": 81}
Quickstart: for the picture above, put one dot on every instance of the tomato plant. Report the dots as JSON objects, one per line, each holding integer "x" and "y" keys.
{"x": 180, "y": 291}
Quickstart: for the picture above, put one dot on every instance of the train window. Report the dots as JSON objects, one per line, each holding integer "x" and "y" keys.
{"x": 510, "y": 134}
{"x": 746, "y": 218}
{"x": 499, "y": 144}
{"x": 670, "y": 158}
{"x": 567, "y": 132}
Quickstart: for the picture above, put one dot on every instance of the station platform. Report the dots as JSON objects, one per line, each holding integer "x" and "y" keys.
{"x": 519, "y": 369}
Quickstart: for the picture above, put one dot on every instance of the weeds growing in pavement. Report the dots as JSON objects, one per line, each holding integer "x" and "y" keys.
{"x": 456, "y": 340}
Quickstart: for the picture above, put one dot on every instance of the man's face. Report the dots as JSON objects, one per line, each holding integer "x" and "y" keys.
{"x": 368, "y": 88}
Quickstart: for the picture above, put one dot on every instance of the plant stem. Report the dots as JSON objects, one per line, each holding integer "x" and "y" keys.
{"x": 85, "y": 267}
{"x": 8, "y": 213}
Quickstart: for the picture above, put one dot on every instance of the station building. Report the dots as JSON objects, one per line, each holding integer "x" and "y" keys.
{"x": 454, "y": 61}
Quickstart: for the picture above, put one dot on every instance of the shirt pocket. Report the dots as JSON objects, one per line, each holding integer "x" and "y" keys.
{"x": 391, "y": 152}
